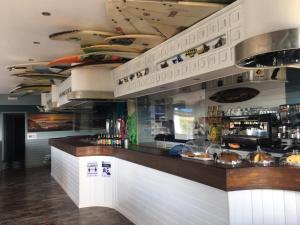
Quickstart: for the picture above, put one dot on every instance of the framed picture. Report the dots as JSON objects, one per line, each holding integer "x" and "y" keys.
{"x": 50, "y": 122}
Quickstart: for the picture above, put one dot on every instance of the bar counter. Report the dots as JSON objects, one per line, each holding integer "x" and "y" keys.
{"x": 242, "y": 177}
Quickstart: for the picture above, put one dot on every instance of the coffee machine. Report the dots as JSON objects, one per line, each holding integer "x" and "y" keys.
{"x": 289, "y": 129}
{"x": 251, "y": 130}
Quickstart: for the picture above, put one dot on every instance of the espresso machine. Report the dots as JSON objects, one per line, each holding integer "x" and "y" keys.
{"x": 289, "y": 129}
{"x": 251, "y": 130}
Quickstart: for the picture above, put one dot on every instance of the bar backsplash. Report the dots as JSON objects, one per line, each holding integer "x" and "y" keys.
{"x": 193, "y": 112}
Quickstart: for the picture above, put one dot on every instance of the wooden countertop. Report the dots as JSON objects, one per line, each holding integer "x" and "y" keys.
{"x": 223, "y": 177}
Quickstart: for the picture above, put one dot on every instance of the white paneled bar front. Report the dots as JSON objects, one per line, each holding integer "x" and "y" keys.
{"x": 151, "y": 197}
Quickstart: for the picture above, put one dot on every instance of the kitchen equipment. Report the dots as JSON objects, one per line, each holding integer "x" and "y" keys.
{"x": 260, "y": 157}
{"x": 248, "y": 131}
{"x": 275, "y": 49}
{"x": 285, "y": 112}
{"x": 291, "y": 158}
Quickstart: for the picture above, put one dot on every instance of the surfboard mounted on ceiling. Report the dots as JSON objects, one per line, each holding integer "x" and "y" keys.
{"x": 41, "y": 76}
{"x": 143, "y": 40}
{"x": 125, "y": 22}
{"x": 108, "y": 65}
{"x": 36, "y": 67}
{"x": 176, "y": 14}
{"x": 83, "y": 37}
{"x": 234, "y": 95}
{"x": 127, "y": 55}
{"x": 24, "y": 89}
{"x": 91, "y": 58}
{"x": 93, "y": 64}
{"x": 120, "y": 48}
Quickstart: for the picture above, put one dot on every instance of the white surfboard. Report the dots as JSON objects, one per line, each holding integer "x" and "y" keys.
{"x": 83, "y": 37}
{"x": 177, "y": 14}
{"x": 125, "y": 22}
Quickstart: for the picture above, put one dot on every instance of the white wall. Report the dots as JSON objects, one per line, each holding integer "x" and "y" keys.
{"x": 37, "y": 149}
{"x": 264, "y": 207}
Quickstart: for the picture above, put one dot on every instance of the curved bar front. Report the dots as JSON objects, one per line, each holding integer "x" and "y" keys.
{"x": 150, "y": 187}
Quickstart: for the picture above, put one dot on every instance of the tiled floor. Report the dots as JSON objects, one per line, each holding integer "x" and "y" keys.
{"x": 32, "y": 197}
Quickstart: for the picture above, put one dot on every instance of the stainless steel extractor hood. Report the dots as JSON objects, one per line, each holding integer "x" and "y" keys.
{"x": 270, "y": 50}
{"x": 91, "y": 96}
{"x": 79, "y": 99}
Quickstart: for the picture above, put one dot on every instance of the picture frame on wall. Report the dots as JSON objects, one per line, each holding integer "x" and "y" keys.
{"x": 43, "y": 122}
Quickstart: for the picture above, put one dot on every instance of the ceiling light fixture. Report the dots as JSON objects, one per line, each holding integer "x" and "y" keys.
{"x": 46, "y": 14}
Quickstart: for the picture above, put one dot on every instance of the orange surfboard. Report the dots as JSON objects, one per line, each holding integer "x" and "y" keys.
{"x": 66, "y": 60}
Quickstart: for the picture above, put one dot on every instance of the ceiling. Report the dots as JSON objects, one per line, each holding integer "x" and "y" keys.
{"x": 22, "y": 24}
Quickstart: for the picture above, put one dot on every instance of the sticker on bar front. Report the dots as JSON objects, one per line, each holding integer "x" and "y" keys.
{"x": 92, "y": 169}
{"x": 106, "y": 169}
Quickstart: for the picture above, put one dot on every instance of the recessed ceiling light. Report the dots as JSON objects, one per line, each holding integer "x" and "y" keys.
{"x": 36, "y": 42}
{"x": 30, "y": 60}
{"x": 46, "y": 14}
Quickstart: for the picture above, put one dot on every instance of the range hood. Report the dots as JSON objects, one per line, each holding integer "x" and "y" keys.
{"x": 85, "y": 85}
{"x": 79, "y": 99}
{"x": 90, "y": 96}
{"x": 275, "y": 49}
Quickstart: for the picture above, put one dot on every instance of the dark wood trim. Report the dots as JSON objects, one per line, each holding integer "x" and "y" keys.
{"x": 283, "y": 178}
{"x": 226, "y": 178}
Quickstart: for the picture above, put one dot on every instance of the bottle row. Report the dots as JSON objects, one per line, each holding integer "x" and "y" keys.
{"x": 112, "y": 140}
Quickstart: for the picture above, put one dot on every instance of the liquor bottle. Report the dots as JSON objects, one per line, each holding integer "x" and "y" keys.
{"x": 112, "y": 140}
{"x": 108, "y": 140}
{"x": 99, "y": 140}
{"x": 117, "y": 139}
{"x": 126, "y": 142}
{"x": 104, "y": 139}
{"x": 120, "y": 141}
